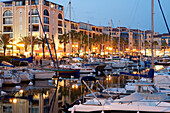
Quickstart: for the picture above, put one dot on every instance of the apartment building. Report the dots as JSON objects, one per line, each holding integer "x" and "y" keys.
{"x": 15, "y": 19}
{"x": 83, "y": 28}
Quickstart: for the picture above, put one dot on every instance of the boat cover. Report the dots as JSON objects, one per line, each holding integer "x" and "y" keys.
{"x": 29, "y": 59}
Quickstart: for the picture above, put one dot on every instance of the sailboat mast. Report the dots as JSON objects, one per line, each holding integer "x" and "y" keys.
{"x": 70, "y": 43}
{"x": 144, "y": 42}
{"x": 88, "y": 41}
{"x": 152, "y": 66}
{"x": 31, "y": 29}
{"x": 108, "y": 41}
{"x": 111, "y": 40}
{"x": 129, "y": 42}
{"x": 119, "y": 39}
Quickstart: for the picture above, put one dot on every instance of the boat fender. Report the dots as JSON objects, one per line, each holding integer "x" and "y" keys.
{"x": 18, "y": 87}
{"x": 50, "y": 81}
{"x": 30, "y": 84}
{"x": 3, "y": 93}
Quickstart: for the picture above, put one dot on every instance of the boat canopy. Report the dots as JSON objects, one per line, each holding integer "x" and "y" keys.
{"x": 150, "y": 74}
{"x": 29, "y": 59}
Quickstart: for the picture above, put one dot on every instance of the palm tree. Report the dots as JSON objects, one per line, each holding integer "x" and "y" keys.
{"x": 115, "y": 43}
{"x": 85, "y": 42}
{"x": 64, "y": 39}
{"x": 155, "y": 43}
{"x": 42, "y": 41}
{"x": 146, "y": 45}
{"x": 5, "y": 38}
{"x": 100, "y": 42}
{"x": 136, "y": 44}
{"x": 122, "y": 43}
{"x": 104, "y": 36}
{"x": 79, "y": 40}
{"x": 164, "y": 44}
{"x": 26, "y": 41}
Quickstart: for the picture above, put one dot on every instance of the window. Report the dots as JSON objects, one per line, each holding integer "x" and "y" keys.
{"x": 46, "y": 28}
{"x": 60, "y": 7}
{"x": 34, "y": 28}
{"x": 46, "y": 20}
{"x": 53, "y": 5}
{"x": 8, "y": 20}
{"x": 7, "y": 13}
{"x": 59, "y": 30}
{"x": 46, "y": 3}
{"x": 8, "y": 29}
{"x": 33, "y": 2}
{"x": 60, "y": 16}
{"x": 34, "y": 12}
{"x": 46, "y": 13}
{"x": 19, "y": 3}
{"x": 7, "y": 4}
{"x": 35, "y": 19}
{"x": 59, "y": 23}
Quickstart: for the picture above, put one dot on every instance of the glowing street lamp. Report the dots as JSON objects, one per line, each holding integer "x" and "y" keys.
{"x": 74, "y": 86}
{"x": 14, "y": 100}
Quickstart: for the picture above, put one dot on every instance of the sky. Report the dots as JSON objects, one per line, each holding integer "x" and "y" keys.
{"x": 131, "y": 13}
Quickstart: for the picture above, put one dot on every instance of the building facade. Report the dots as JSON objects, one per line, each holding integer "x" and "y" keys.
{"x": 15, "y": 19}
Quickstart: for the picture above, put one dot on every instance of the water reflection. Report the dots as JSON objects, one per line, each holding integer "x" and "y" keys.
{"x": 42, "y": 97}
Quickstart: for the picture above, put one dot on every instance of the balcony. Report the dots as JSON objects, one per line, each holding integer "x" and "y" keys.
{"x": 35, "y": 28}
{"x": 8, "y": 22}
{"x": 7, "y": 4}
{"x": 19, "y": 3}
{"x": 8, "y": 30}
{"x": 72, "y": 27}
{"x": 60, "y": 32}
{"x": 60, "y": 25}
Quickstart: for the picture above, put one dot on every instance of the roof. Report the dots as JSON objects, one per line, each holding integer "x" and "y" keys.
{"x": 133, "y": 97}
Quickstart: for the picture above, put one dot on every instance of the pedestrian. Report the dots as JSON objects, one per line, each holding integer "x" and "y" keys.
{"x": 36, "y": 62}
{"x": 41, "y": 62}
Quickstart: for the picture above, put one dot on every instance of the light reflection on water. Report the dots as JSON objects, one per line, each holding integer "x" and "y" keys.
{"x": 39, "y": 98}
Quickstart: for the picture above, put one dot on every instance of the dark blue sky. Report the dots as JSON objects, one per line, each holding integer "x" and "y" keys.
{"x": 129, "y": 12}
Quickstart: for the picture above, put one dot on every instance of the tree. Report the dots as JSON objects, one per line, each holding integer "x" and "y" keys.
{"x": 26, "y": 41}
{"x": 42, "y": 41}
{"x": 136, "y": 44}
{"x": 164, "y": 44}
{"x": 5, "y": 39}
{"x": 64, "y": 39}
{"x": 85, "y": 42}
{"x": 155, "y": 43}
{"x": 146, "y": 45}
{"x": 79, "y": 40}
{"x": 115, "y": 43}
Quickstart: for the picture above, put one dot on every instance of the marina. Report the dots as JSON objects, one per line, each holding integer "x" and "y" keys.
{"x": 50, "y": 64}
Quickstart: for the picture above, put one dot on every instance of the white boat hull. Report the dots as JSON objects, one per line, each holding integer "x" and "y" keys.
{"x": 42, "y": 74}
{"x": 25, "y": 76}
{"x": 12, "y": 80}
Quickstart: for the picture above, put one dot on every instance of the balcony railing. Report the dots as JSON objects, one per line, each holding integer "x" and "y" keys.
{"x": 60, "y": 25}
{"x": 8, "y": 30}
{"x": 74, "y": 28}
{"x": 7, "y": 4}
{"x": 35, "y": 29}
{"x": 60, "y": 32}
{"x": 8, "y": 22}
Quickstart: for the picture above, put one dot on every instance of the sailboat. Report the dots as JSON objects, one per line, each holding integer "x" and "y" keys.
{"x": 64, "y": 73}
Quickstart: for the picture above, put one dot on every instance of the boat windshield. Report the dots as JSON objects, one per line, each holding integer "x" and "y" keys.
{"x": 147, "y": 89}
